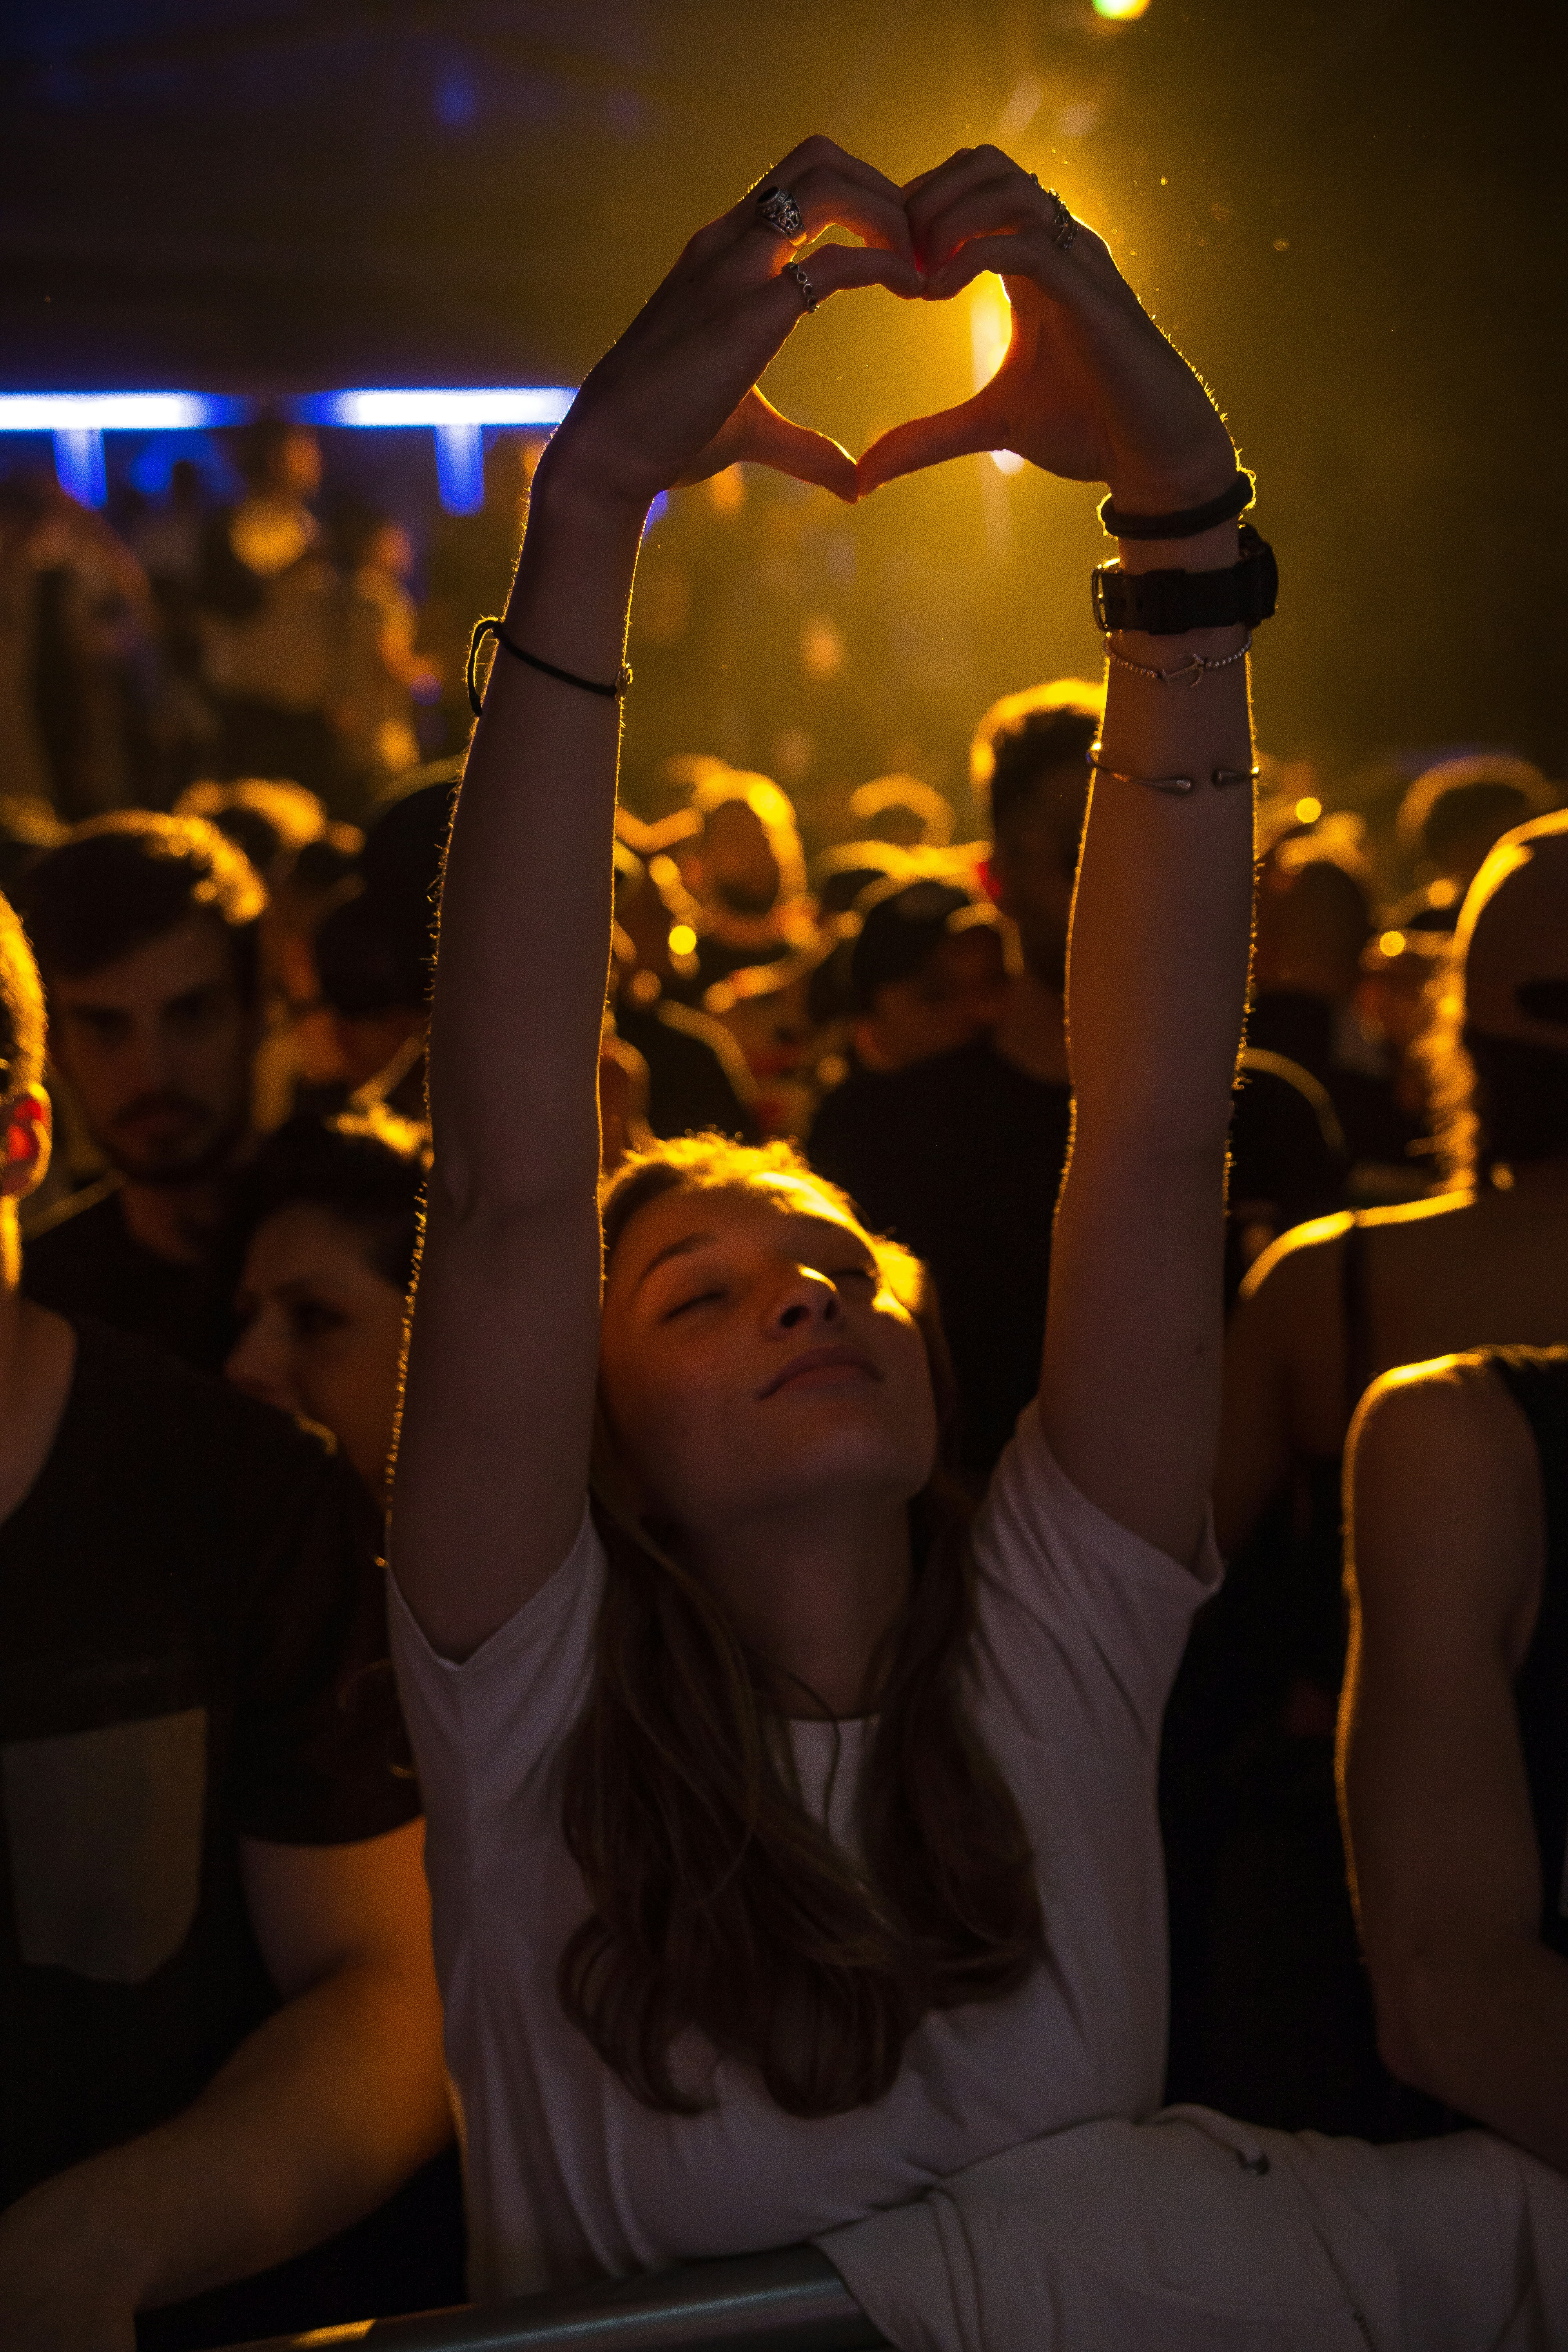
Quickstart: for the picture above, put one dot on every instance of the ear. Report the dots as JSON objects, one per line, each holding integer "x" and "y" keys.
{"x": 29, "y": 1132}
{"x": 994, "y": 880}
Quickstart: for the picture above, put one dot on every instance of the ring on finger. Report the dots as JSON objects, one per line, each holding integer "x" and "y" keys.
{"x": 1064, "y": 229}
{"x": 779, "y": 210}
{"x": 807, "y": 291}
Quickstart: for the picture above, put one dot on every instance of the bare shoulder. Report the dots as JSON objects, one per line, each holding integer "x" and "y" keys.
{"x": 1448, "y": 1419}
{"x": 1301, "y": 1265}
{"x": 1444, "y": 1485}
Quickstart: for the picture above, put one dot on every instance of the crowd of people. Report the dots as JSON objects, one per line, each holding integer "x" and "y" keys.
{"x": 792, "y": 1794}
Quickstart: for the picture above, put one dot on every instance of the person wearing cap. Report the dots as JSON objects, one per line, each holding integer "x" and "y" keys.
{"x": 927, "y": 972}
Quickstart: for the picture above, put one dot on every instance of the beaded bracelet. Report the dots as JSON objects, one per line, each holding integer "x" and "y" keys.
{"x": 1187, "y": 671}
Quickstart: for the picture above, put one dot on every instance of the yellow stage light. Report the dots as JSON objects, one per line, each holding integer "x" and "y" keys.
{"x": 990, "y": 326}
{"x": 1120, "y": 11}
{"x": 1308, "y": 810}
{"x": 682, "y": 940}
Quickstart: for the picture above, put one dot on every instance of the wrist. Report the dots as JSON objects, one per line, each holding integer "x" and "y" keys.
{"x": 1209, "y": 551}
{"x": 572, "y": 487}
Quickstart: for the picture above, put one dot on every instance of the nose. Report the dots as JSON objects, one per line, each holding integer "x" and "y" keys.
{"x": 805, "y": 1299}
{"x": 258, "y": 1363}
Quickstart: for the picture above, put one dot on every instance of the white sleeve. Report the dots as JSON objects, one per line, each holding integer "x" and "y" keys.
{"x": 485, "y": 1729}
{"x": 1113, "y": 1602}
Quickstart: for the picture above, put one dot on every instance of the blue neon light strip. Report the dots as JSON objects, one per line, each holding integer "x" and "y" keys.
{"x": 503, "y": 404}
{"x": 117, "y": 411}
{"x": 195, "y": 411}
{"x": 79, "y": 421}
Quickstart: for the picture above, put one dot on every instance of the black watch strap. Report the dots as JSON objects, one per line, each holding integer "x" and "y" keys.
{"x": 1164, "y": 604}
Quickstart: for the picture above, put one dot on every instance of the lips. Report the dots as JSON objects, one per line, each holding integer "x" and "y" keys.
{"x": 812, "y": 1360}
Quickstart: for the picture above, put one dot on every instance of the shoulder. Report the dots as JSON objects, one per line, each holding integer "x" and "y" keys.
{"x": 1300, "y": 1264}
{"x": 82, "y": 1218}
{"x": 195, "y": 1432}
{"x": 1448, "y": 1422}
{"x": 1444, "y": 1488}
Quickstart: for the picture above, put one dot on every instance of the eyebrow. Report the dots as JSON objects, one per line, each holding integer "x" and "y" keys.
{"x": 681, "y": 1248}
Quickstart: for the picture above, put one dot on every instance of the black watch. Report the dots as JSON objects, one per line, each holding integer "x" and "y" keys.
{"x": 1164, "y": 604}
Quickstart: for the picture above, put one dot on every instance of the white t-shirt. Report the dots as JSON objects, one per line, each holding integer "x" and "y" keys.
{"x": 1081, "y": 1626}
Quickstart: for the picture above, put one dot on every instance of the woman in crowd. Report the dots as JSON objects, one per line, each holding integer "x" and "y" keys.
{"x": 1271, "y": 2014}
{"x": 327, "y": 1224}
{"x": 792, "y": 1843}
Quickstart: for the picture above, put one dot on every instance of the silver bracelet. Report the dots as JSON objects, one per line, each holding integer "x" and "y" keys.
{"x": 1220, "y": 776}
{"x": 1187, "y": 672}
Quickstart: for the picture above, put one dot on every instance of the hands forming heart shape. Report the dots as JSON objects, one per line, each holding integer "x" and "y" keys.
{"x": 1088, "y": 389}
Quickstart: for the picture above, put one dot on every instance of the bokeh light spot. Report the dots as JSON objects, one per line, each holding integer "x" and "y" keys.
{"x": 1309, "y": 809}
{"x": 682, "y": 940}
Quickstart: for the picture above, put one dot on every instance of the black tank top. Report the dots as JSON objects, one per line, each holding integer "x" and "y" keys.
{"x": 1536, "y": 1380}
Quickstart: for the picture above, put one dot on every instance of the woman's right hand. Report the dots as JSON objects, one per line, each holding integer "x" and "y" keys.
{"x": 1089, "y": 388}
{"x": 674, "y": 399}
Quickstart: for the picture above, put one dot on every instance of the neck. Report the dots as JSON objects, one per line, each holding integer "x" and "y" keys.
{"x": 37, "y": 1352}
{"x": 177, "y": 1221}
{"x": 814, "y": 1594}
{"x": 1032, "y": 1030}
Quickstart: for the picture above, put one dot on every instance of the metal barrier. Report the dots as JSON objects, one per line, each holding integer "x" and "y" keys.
{"x": 792, "y": 2300}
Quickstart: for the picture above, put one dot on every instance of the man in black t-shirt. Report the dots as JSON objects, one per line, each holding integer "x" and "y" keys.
{"x": 961, "y": 1155}
{"x": 219, "y": 2027}
{"x": 145, "y": 929}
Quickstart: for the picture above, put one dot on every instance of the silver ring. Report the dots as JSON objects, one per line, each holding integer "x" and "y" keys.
{"x": 781, "y": 212}
{"x": 1064, "y": 229}
{"x": 808, "y": 293}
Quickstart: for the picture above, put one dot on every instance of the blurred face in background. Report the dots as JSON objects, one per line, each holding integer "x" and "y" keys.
{"x": 955, "y": 996}
{"x": 740, "y": 873}
{"x": 322, "y": 1334}
{"x": 1031, "y": 876}
{"x": 158, "y": 1048}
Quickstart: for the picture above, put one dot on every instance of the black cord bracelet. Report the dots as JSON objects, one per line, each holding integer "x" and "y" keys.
{"x": 1188, "y": 522}
{"x": 491, "y": 628}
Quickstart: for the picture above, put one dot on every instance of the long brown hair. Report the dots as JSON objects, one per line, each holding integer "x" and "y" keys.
{"x": 719, "y": 1903}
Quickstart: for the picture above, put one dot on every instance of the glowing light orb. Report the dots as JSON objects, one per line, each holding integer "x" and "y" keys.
{"x": 1310, "y": 810}
{"x": 682, "y": 940}
{"x": 1392, "y": 944}
{"x": 1120, "y": 11}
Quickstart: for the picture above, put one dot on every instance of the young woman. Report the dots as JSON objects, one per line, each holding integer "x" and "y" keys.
{"x": 327, "y": 1224}
{"x": 792, "y": 1845}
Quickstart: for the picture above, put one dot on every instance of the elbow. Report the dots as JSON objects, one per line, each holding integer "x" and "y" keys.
{"x": 1422, "y": 2025}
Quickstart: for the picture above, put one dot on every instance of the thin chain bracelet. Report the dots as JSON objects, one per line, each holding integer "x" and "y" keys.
{"x": 1187, "y": 672}
{"x": 1220, "y": 776}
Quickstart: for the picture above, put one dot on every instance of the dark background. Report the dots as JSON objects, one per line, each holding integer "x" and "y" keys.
{"x": 1348, "y": 214}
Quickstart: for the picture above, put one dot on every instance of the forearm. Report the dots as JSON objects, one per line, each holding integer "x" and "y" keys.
{"x": 315, "y": 2120}
{"x": 526, "y": 902}
{"x": 1161, "y": 918}
{"x": 1488, "y": 2033}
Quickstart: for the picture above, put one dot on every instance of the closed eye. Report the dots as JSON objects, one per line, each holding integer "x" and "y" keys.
{"x": 699, "y": 1299}
{"x": 856, "y": 1274}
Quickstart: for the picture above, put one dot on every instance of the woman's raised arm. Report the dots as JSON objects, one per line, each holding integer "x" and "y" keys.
{"x": 497, "y": 1414}
{"x": 1161, "y": 918}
